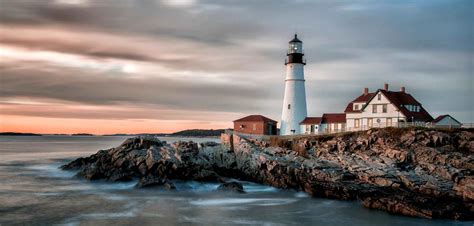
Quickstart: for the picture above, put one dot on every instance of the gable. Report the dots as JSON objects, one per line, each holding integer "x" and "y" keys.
{"x": 447, "y": 120}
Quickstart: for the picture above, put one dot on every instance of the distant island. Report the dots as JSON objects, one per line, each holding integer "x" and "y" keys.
{"x": 18, "y": 134}
{"x": 183, "y": 133}
{"x": 82, "y": 134}
{"x": 199, "y": 133}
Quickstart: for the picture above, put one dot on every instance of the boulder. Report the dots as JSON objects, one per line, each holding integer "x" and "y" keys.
{"x": 149, "y": 181}
{"x": 231, "y": 186}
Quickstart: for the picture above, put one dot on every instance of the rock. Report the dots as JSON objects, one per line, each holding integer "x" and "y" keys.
{"x": 231, "y": 186}
{"x": 408, "y": 171}
{"x": 209, "y": 144}
{"x": 465, "y": 188}
{"x": 149, "y": 181}
{"x": 169, "y": 186}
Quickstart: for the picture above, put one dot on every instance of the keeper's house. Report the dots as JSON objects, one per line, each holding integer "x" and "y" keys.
{"x": 256, "y": 124}
{"x": 384, "y": 108}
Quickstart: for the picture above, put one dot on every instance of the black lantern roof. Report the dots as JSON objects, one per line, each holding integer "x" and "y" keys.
{"x": 295, "y": 39}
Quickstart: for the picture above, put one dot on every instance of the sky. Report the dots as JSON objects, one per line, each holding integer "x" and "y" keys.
{"x": 145, "y": 66}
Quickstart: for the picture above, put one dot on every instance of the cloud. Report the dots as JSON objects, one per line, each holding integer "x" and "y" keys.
{"x": 102, "y": 88}
{"x": 210, "y": 57}
{"x": 179, "y": 3}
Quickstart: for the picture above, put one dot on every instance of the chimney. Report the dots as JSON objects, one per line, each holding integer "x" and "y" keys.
{"x": 385, "y": 86}
{"x": 402, "y": 89}
{"x": 366, "y": 91}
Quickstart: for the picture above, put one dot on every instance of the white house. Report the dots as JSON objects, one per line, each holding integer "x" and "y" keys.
{"x": 328, "y": 123}
{"x": 311, "y": 125}
{"x": 384, "y": 108}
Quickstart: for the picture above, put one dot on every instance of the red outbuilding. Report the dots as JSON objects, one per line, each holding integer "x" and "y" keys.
{"x": 256, "y": 124}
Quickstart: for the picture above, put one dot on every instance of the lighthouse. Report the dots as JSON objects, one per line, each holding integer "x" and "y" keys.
{"x": 294, "y": 102}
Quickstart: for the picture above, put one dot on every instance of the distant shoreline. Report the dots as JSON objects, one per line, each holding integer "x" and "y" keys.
{"x": 184, "y": 133}
{"x": 19, "y": 134}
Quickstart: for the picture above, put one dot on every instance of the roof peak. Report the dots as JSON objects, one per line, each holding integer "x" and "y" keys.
{"x": 295, "y": 39}
{"x": 255, "y": 118}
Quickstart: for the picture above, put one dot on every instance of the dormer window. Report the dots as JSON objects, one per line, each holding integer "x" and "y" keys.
{"x": 413, "y": 108}
{"x": 356, "y": 107}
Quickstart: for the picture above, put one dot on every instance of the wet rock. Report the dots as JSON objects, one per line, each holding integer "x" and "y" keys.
{"x": 414, "y": 172}
{"x": 169, "y": 186}
{"x": 231, "y": 186}
{"x": 150, "y": 181}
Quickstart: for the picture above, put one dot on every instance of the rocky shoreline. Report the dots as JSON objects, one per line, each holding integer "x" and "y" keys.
{"x": 413, "y": 172}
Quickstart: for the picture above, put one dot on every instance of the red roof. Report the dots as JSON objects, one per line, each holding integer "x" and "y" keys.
{"x": 334, "y": 118}
{"x": 399, "y": 100}
{"x": 441, "y": 117}
{"x": 364, "y": 98}
{"x": 311, "y": 121}
{"x": 255, "y": 118}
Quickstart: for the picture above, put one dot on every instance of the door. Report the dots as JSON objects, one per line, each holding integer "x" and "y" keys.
{"x": 370, "y": 122}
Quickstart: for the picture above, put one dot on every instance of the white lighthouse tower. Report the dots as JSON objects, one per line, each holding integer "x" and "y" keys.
{"x": 294, "y": 103}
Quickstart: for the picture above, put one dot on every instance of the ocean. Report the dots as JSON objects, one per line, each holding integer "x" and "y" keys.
{"x": 34, "y": 191}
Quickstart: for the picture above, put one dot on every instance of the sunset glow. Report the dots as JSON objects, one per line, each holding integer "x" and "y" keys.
{"x": 82, "y": 66}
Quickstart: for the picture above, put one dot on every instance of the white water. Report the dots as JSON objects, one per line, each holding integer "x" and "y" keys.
{"x": 34, "y": 191}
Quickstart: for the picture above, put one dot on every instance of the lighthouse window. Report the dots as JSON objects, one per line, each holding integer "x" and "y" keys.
{"x": 289, "y": 106}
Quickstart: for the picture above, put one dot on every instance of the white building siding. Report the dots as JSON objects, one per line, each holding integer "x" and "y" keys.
{"x": 369, "y": 119}
{"x": 294, "y": 102}
{"x": 306, "y": 129}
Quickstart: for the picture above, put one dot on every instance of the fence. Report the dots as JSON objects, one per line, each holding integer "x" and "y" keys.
{"x": 393, "y": 124}
{"x": 361, "y": 128}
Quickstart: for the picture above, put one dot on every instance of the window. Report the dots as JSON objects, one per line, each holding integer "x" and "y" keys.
{"x": 242, "y": 126}
{"x": 370, "y": 122}
{"x": 356, "y": 123}
{"x": 289, "y": 106}
{"x": 356, "y": 107}
{"x": 384, "y": 108}
{"x": 254, "y": 126}
{"x": 379, "y": 96}
{"x": 389, "y": 121}
{"x": 374, "y": 108}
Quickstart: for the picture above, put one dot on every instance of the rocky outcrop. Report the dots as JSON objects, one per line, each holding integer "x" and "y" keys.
{"x": 414, "y": 172}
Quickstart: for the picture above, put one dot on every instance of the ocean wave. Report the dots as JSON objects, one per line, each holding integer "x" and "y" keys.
{"x": 234, "y": 201}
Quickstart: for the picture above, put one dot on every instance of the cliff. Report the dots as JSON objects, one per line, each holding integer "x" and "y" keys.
{"x": 414, "y": 172}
